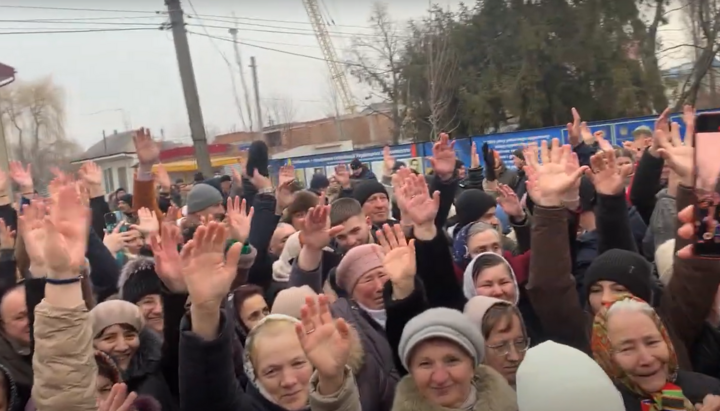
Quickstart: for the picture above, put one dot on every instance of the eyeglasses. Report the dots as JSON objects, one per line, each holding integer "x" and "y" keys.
{"x": 503, "y": 349}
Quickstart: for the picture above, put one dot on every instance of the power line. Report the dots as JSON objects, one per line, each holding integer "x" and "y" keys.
{"x": 80, "y": 19}
{"x": 79, "y": 9}
{"x": 294, "y": 31}
{"x": 234, "y": 19}
{"x": 77, "y": 31}
{"x": 109, "y": 23}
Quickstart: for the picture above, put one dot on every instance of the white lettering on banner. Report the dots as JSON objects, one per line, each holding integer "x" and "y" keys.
{"x": 349, "y": 156}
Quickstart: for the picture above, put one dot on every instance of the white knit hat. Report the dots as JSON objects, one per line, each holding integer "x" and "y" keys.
{"x": 556, "y": 377}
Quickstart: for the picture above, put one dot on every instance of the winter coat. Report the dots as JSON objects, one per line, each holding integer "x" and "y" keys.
{"x": 377, "y": 376}
{"x": 144, "y": 374}
{"x": 365, "y": 174}
{"x": 493, "y": 394}
{"x": 18, "y": 362}
{"x": 504, "y": 176}
{"x": 12, "y": 398}
{"x": 662, "y": 223}
{"x": 207, "y": 383}
{"x": 694, "y": 386}
{"x": 64, "y": 362}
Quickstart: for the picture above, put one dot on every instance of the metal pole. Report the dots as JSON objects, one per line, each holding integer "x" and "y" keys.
{"x": 253, "y": 66}
{"x": 187, "y": 77}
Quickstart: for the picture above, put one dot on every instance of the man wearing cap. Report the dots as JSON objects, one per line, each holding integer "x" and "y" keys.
{"x": 360, "y": 171}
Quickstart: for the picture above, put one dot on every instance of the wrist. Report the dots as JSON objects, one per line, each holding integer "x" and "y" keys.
{"x": 402, "y": 289}
{"x": 37, "y": 270}
{"x": 330, "y": 384}
{"x": 425, "y": 231}
{"x": 62, "y": 274}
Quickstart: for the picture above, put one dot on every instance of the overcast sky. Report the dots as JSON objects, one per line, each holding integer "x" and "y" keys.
{"x": 131, "y": 77}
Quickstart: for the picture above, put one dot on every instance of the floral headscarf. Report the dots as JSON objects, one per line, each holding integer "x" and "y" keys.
{"x": 671, "y": 396}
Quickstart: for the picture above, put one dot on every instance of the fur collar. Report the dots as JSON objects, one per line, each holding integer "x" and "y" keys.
{"x": 147, "y": 358}
{"x": 493, "y": 394}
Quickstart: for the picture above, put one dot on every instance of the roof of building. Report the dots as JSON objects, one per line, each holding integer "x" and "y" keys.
{"x": 116, "y": 144}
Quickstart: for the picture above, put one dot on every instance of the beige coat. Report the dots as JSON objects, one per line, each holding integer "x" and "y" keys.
{"x": 347, "y": 399}
{"x": 64, "y": 363}
{"x": 493, "y": 394}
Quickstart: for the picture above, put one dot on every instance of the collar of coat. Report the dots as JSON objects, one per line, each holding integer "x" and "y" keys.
{"x": 493, "y": 394}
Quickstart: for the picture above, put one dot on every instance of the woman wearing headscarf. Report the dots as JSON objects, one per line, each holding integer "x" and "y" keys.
{"x": 443, "y": 353}
{"x": 632, "y": 345}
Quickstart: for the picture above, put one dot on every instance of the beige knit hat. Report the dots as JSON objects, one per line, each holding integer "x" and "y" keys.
{"x": 290, "y": 300}
{"x": 113, "y": 312}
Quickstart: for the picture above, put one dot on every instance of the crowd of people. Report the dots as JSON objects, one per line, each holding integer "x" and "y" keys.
{"x": 565, "y": 281}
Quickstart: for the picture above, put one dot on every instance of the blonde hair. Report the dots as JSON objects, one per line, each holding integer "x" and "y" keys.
{"x": 269, "y": 326}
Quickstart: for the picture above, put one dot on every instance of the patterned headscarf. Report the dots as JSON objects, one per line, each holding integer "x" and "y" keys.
{"x": 671, "y": 397}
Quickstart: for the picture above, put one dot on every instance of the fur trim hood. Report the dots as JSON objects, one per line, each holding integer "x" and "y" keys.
{"x": 133, "y": 266}
{"x": 493, "y": 394}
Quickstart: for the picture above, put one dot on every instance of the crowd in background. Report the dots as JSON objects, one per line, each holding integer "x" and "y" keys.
{"x": 564, "y": 281}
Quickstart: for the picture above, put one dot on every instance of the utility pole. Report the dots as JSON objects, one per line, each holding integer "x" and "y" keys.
{"x": 253, "y": 66}
{"x": 187, "y": 77}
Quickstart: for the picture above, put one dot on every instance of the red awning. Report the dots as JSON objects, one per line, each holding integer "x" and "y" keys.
{"x": 7, "y": 74}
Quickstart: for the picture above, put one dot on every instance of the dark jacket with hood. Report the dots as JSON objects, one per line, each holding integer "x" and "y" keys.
{"x": 694, "y": 386}
{"x": 365, "y": 174}
{"x": 144, "y": 374}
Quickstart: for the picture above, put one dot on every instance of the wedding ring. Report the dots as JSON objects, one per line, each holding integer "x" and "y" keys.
{"x": 308, "y": 332}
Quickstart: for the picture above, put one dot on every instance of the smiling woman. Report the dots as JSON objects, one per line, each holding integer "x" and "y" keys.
{"x": 631, "y": 344}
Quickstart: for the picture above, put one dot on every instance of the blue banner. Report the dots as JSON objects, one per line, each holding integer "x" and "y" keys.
{"x": 462, "y": 151}
{"x": 366, "y": 156}
{"x": 506, "y": 143}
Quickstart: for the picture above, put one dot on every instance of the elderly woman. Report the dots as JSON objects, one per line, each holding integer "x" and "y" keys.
{"x": 631, "y": 344}
{"x": 443, "y": 352}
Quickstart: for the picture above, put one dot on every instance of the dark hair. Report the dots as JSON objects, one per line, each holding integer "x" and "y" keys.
{"x": 624, "y": 152}
{"x": 500, "y": 314}
{"x": 343, "y": 209}
{"x": 486, "y": 261}
{"x": 302, "y": 202}
{"x": 242, "y": 293}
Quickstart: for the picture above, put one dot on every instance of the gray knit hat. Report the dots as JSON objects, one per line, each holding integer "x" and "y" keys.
{"x": 441, "y": 323}
{"x": 203, "y": 196}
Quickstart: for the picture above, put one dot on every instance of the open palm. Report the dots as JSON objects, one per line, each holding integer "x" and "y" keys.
{"x": 168, "y": 263}
{"x": 550, "y": 177}
{"x": 238, "y": 219}
{"x": 146, "y": 148}
{"x": 326, "y": 342}
{"x": 207, "y": 274}
{"x": 443, "y": 158}
{"x": 679, "y": 156}
{"x": 315, "y": 232}
{"x": 607, "y": 176}
{"x": 399, "y": 261}
{"x": 66, "y": 231}
{"x": 32, "y": 230}
{"x": 421, "y": 207}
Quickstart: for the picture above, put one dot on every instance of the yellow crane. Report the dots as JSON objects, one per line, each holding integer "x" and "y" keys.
{"x": 328, "y": 49}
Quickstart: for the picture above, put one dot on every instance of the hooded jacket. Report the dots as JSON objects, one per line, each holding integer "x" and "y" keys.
{"x": 144, "y": 375}
{"x": 493, "y": 394}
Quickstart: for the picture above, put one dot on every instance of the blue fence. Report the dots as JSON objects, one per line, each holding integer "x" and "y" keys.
{"x": 414, "y": 155}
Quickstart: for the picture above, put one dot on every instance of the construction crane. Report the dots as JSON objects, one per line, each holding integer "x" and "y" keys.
{"x": 328, "y": 49}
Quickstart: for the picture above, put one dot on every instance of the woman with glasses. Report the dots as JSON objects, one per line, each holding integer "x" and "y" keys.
{"x": 502, "y": 326}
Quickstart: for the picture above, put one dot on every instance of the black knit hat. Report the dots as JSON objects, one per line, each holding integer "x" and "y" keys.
{"x": 319, "y": 182}
{"x": 138, "y": 279}
{"x": 626, "y": 268}
{"x": 471, "y": 205}
{"x": 367, "y": 189}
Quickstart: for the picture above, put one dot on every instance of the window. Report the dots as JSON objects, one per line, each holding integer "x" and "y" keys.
{"x": 274, "y": 139}
{"x": 123, "y": 178}
{"x": 109, "y": 180}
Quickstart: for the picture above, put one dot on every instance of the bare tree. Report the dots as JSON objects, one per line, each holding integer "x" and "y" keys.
{"x": 333, "y": 107}
{"x": 703, "y": 18}
{"x": 281, "y": 113}
{"x": 32, "y": 120}
{"x": 377, "y": 63}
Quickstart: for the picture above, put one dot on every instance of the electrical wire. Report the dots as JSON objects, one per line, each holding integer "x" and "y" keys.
{"x": 77, "y": 31}
{"x": 5, "y": 6}
{"x": 109, "y": 23}
{"x": 80, "y": 19}
{"x": 227, "y": 19}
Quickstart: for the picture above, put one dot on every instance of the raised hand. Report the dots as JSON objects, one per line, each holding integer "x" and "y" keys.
{"x": 238, "y": 219}
{"x": 388, "y": 161}
{"x": 208, "y": 275}
{"x": 574, "y": 129}
{"x": 115, "y": 240}
{"x": 549, "y": 179}
{"x": 259, "y": 181}
{"x": 148, "y": 222}
{"x": 326, "y": 343}
{"x": 316, "y": 231}
{"x": 168, "y": 263}
{"x": 443, "y": 158}
{"x": 399, "y": 262}
{"x": 4, "y": 183}
{"x": 146, "y": 149}
{"x": 22, "y": 176}
{"x": 162, "y": 178}
{"x": 91, "y": 174}
{"x": 287, "y": 175}
{"x": 7, "y": 236}
{"x": 66, "y": 230}
{"x": 398, "y": 181}
{"x": 118, "y": 400}
{"x": 474, "y": 156}
{"x": 510, "y": 203}
{"x": 678, "y": 155}
{"x": 608, "y": 178}
{"x": 32, "y": 230}
{"x": 421, "y": 207}
{"x": 342, "y": 175}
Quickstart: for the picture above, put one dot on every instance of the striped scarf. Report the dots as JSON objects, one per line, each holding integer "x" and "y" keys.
{"x": 670, "y": 398}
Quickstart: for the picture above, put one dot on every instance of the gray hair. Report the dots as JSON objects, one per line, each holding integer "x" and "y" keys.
{"x": 481, "y": 227}
{"x": 631, "y": 305}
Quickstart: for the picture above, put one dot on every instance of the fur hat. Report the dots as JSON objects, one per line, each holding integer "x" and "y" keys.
{"x": 138, "y": 279}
